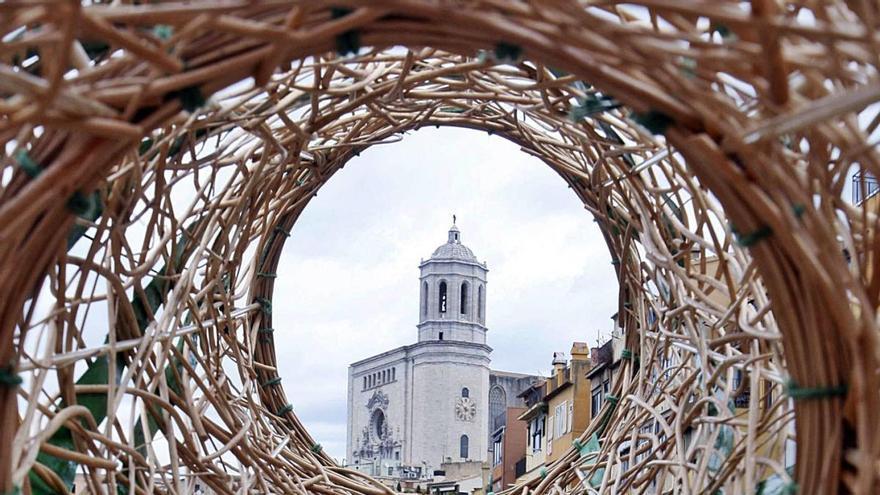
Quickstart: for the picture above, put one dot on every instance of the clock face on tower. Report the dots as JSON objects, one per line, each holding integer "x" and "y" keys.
{"x": 465, "y": 409}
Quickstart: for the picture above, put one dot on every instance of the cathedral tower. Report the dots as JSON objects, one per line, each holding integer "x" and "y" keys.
{"x": 413, "y": 408}
{"x": 452, "y": 305}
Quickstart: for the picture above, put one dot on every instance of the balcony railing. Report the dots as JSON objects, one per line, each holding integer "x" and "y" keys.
{"x": 864, "y": 185}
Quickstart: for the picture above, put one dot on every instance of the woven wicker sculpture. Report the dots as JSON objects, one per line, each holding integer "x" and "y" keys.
{"x": 156, "y": 157}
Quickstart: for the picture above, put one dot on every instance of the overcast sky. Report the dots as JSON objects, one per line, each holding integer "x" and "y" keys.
{"x": 347, "y": 285}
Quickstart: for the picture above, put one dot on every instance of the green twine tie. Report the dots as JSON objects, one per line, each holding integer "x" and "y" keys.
{"x": 191, "y": 98}
{"x": 653, "y": 120}
{"x": 284, "y": 410}
{"x": 752, "y": 238}
{"x": 9, "y": 378}
{"x": 27, "y": 164}
{"x": 507, "y": 53}
{"x": 265, "y": 305}
{"x": 349, "y": 41}
{"x": 811, "y": 393}
{"x": 270, "y": 382}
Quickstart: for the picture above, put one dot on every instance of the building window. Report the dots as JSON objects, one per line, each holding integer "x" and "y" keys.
{"x": 441, "y": 336}
{"x": 623, "y": 455}
{"x": 463, "y": 447}
{"x": 496, "y": 452}
{"x": 424, "y": 298}
{"x": 465, "y": 392}
{"x": 560, "y": 419}
{"x": 442, "y": 300}
{"x": 595, "y": 403}
{"x": 480, "y": 301}
{"x": 393, "y": 374}
{"x": 464, "y": 298}
{"x": 536, "y": 432}
{"x": 365, "y": 382}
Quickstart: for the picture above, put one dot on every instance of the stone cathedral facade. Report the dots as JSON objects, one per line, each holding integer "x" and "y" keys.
{"x": 416, "y": 407}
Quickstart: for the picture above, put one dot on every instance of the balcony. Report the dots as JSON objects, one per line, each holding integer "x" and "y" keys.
{"x": 864, "y": 185}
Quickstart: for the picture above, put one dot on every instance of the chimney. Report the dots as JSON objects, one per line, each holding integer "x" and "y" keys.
{"x": 580, "y": 351}
{"x": 559, "y": 362}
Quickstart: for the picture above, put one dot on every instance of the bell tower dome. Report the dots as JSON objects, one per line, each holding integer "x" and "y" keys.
{"x": 452, "y": 305}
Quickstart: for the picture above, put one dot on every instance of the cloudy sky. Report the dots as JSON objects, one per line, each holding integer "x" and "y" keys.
{"x": 347, "y": 285}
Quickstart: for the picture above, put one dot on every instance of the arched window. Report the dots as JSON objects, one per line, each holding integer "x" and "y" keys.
{"x": 425, "y": 299}
{"x": 442, "y": 300}
{"x": 464, "y": 298}
{"x": 480, "y": 301}
{"x": 465, "y": 392}
{"x": 497, "y": 402}
{"x": 463, "y": 449}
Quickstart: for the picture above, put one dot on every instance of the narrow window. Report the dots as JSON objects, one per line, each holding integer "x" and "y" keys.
{"x": 365, "y": 382}
{"x": 465, "y": 392}
{"x": 393, "y": 374}
{"x": 464, "y": 447}
{"x": 424, "y": 298}
{"x": 442, "y": 299}
{"x": 480, "y": 301}
{"x": 464, "y": 298}
{"x": 441, "y": 336}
